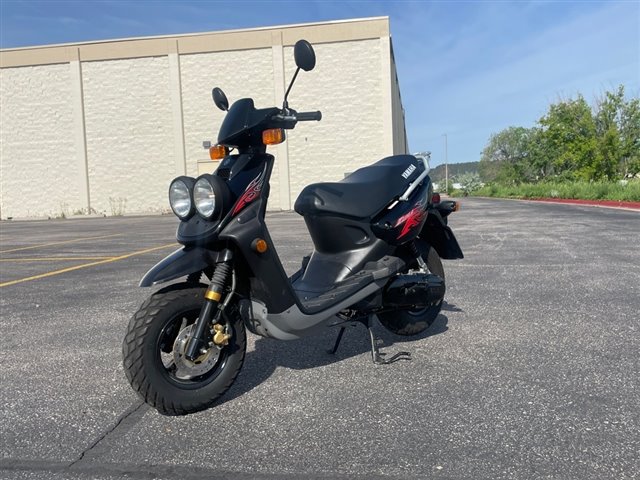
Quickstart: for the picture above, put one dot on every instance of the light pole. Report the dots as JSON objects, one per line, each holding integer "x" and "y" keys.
{"x": 446, "y": 165}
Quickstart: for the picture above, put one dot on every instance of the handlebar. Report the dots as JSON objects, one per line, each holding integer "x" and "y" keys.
{"x": 289, "y": 119}
{"x": 309, "y": 116}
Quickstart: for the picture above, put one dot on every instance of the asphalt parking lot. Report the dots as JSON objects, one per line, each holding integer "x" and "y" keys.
{"x": 532, "y": 370}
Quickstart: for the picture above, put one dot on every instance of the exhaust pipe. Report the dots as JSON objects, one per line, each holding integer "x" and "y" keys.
{"x": 415, "y": 290}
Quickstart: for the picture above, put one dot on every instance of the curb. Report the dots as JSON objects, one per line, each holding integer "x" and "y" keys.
{"x": 593, "y": 203}
{"x": 619, "y": 204}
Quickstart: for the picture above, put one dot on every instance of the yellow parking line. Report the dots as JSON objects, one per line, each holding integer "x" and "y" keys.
{"x": 85, "y": 265}
{"x": 52, "y": 259}
{"x": 59, "y": 243}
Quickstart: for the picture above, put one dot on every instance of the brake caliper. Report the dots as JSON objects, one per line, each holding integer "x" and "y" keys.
{"x": 221, "y": 337}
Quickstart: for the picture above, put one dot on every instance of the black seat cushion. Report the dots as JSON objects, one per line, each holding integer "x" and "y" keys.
{"x": 363, "y": 193}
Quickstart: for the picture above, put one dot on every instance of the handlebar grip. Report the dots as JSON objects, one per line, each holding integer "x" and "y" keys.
{"x": 309, "y": 116}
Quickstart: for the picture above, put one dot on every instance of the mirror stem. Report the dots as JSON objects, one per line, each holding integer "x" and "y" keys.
{"x": 285, "y": 104}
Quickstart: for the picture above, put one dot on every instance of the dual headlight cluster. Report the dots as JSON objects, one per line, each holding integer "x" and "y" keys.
{"x": 188, "y": 195}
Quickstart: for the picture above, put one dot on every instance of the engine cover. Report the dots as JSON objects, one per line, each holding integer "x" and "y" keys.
{"x": 413, "y": 290}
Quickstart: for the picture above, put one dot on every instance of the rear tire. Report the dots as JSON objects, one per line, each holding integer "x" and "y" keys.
{"x": 414, "y": 322}
{"x": 147, "y": 353}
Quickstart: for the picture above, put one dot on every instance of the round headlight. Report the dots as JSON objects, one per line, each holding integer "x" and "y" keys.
{"x": 180, "y": 197}
{"x": 204, "y": 197}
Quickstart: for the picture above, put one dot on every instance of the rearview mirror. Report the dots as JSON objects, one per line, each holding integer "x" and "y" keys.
{"x": 220, "y": 99}
{"x": 304, "y": 55}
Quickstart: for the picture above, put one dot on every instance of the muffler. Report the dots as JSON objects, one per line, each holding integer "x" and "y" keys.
{"x": 416, "y": 290}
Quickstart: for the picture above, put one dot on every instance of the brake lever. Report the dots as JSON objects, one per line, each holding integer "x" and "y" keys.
{"x": 285, "y": 118}
{"x": 286, "y": 121}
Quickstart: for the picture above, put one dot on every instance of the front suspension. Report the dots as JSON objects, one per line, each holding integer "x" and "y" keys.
{"x": 211, "y": 311}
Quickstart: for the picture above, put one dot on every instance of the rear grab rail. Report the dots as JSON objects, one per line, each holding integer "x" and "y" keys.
{"x": 424, "y": 157}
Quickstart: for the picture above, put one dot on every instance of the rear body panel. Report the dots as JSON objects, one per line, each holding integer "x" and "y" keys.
{"x": 402, "y": 222}
{"x": 439, "y": 235}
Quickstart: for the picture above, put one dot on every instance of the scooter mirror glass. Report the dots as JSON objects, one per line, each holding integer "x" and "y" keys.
{"x": 220, "y": 99}
{"x": 304, "y": 55}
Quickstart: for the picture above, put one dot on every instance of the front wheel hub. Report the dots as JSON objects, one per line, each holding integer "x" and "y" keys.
{"x": 185, "y": 368}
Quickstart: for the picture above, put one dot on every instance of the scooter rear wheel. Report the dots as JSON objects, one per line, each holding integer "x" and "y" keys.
{"x": 414, "y": 322}
{"x": 155, "y": 365}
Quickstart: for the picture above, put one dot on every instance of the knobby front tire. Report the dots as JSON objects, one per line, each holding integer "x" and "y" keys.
{"x": 149, "y": 342}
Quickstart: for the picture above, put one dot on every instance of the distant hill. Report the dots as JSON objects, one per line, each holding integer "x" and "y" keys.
{"x": 437, "y": 174}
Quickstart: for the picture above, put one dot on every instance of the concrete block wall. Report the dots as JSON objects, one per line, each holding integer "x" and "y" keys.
{"x": 240, "y": 74}
{"x": 108, "y": 125}
{"x": 37, "y": 142}
{"x": 346, "y": 87}
{"x": 128, "y": 121}
{"x": 400, "y": 140}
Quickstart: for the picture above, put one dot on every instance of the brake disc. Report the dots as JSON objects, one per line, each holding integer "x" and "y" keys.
{"x": 185, "y": 368}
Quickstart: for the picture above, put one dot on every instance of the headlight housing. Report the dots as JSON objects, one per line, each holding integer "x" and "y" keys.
{"x": 180, "y": 197}
{"x": 204, "y": 196}
{"x": 211, "y": 196}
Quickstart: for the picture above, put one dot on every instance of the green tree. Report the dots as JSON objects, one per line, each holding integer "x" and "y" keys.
{"x": 608, "y": 120}
{"x": 630, "y": 138}
{"x": 509, "y": 145}
{"x": 539, "y": 157}
{"x": 569, "y": 138}
{"x": 505, "y": 158}
{"x": 571, "y": 141}
{"x": 618, "y": 130}
{"x": 629, "y": 128}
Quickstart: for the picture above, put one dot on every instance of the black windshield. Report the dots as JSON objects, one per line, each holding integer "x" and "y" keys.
{"x": 242, "y": 124}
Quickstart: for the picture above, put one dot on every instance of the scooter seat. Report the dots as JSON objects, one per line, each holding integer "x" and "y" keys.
{"x": 363, "y": 193}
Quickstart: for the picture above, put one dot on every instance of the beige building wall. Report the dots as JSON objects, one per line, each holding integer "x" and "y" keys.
{"x": 129, "y": 130}
{"x": 201, "y": 72}
{"x": 400, "y": 140}
{"x": 109, "y": 124}
{"x": 37, "y": 142}
{"x": 346, "y": 87}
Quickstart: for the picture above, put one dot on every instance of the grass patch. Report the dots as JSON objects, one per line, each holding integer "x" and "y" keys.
{"x": 629, "y": 191}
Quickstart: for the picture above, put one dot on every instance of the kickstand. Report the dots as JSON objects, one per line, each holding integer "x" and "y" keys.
{"x": 333, "y": 350}
{"x": 376, "y": 355}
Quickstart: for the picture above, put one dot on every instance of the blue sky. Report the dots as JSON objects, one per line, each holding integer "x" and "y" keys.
{"x": 467, "y": 69}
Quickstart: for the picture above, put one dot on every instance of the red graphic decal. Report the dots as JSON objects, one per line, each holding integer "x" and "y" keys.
{"x": 250, "y": 194}
{"x": 411, "y": 219}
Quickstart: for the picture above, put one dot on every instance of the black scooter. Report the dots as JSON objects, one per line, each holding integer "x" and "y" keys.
{"x": 378, "y": 239}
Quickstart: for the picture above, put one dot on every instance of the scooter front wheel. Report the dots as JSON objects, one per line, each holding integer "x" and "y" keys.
{"x": 153, "y": 353}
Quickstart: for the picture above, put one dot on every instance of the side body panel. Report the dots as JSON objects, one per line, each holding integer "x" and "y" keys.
{"x": 269, "y": 283}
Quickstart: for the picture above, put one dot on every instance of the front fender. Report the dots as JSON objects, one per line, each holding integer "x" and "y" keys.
{"x": 180, "y": 263}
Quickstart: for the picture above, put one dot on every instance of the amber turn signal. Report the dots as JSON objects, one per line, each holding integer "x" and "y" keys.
{"x": 218, "y": 151}
{"x": 273, "y": 136}
{"x": 259, "y": 245}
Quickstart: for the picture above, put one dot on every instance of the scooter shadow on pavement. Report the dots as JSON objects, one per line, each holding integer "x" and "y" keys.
{"x": 311, "y": 352}
{"x": 450, "y": 307}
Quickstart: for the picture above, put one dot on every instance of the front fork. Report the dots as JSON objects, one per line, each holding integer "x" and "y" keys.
{"x": 212, "y": 311}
